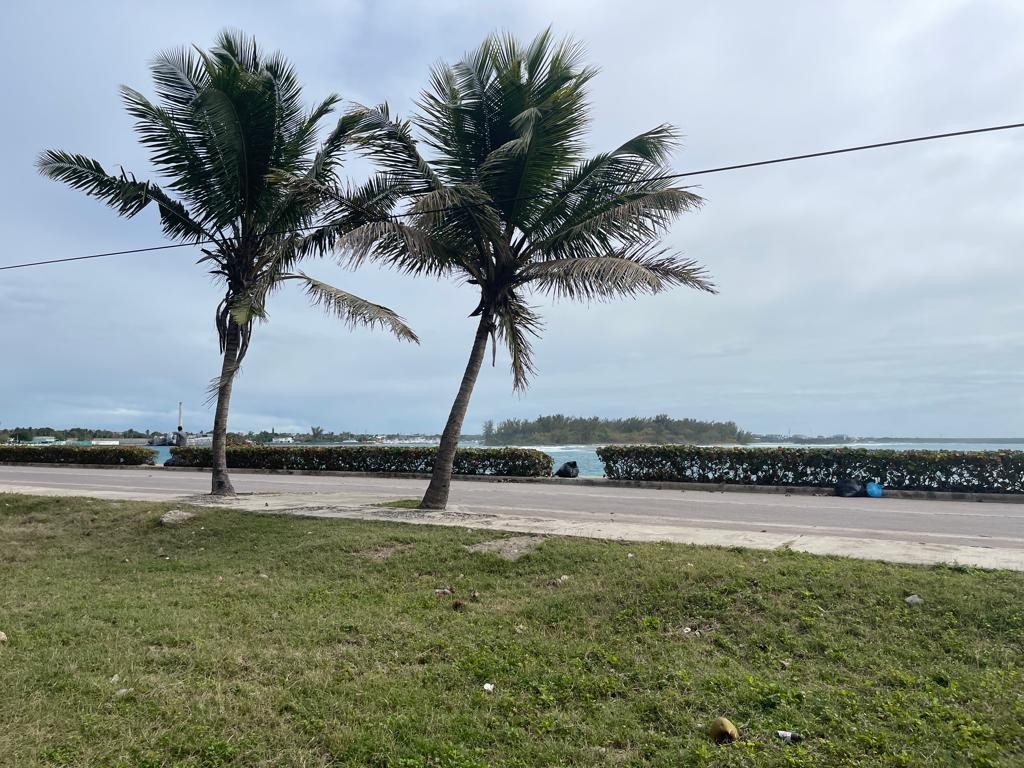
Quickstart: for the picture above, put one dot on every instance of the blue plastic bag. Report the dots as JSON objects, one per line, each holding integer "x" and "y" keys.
{"x": 874, "y": 490}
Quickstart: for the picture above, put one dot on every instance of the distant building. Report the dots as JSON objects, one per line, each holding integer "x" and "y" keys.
{"x": 44, "y": 440}
{"x": 282, "y": 440}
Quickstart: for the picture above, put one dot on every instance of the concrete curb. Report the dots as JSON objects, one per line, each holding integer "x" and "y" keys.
{"x": 604, "y": 482}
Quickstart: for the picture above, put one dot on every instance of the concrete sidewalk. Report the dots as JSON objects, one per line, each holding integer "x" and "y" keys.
{"x": 900, "y": 530}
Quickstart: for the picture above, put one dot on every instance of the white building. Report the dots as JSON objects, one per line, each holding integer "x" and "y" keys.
{"x": 282, "y": 440}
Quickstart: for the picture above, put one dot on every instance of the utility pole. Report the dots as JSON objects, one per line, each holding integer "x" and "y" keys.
{"x": 179, "y": 415}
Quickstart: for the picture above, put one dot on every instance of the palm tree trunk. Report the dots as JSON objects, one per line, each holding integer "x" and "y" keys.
{"x": 221, "y": 481}
{"x": 436, "y": 496}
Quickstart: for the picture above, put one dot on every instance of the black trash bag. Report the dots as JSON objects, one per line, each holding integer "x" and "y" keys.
{"x": 848, "y": 488}
{"x": 569, "y": 469}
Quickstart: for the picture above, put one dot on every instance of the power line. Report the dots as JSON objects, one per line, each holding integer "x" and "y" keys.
{"x": 666, "y": 177}
{"x": 101, "y": 255}
{"x": 845, "y": 150}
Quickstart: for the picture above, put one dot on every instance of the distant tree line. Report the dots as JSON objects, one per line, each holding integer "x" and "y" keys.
{"x": 315, "y": 435}
{"x": 807, "y": 439}
{"x": 660, "y": 429}
{"x": 25, "y": 434}
{"x": 320, "y": 435}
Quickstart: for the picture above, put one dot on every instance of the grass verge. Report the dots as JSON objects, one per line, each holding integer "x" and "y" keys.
{"x": 399, "y": 504}
{"x": 245, "y": 640}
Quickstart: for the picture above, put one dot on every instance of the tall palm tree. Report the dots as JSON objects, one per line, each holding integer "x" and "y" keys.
{"x": 504, "y": 200}
{"x": 230, "y": 136}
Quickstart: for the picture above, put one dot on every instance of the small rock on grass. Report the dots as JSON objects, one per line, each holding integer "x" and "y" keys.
{"x": 913, "y": 600}
{"x": 175, "y": 517}
{"x": 3, "y": 637}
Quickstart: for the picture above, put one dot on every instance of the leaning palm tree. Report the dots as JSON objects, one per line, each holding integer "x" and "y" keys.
{"x": 503, "y": 199}
{"x": 230, "y": 136}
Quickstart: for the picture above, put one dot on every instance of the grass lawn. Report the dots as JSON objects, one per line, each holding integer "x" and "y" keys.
{"x": 245, "y": 640}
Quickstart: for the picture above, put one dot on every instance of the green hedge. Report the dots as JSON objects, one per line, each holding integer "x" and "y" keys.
{"x": 958, "y": 471}
{"x": 129, "y": 455}
{"x": 509, "y": 462}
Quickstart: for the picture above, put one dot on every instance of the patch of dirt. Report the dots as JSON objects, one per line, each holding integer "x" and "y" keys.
{"x": 511, "y": 548}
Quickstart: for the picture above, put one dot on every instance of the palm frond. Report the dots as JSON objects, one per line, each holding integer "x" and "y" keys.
{"x": 626, "y": 216}
{"x": 459, "y": 206}
{"x": 227, "y": 136}
{"x": 125, "y": 194}
{"x": 514, "y": 323}
{"x": 179, "y": 77}
{"x": 604, "y": 175}
{"x": 633, "y": 271}
{"x": 454, "y": 115}
{"x": 408, "y": 249}
{"x": 348, "y": 208}
{"x": 207, "y": 175}
{"x": 391, "y": 145}
{"x": 176, "y": 221}
{"x": 353, "y": 310}
{"x": 530, "y": 104}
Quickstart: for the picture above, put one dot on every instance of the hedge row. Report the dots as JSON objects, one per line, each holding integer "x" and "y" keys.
{"x": 958, "y": 471}
{"x": 509, "y": 462}
{"x": 129, "y": 455}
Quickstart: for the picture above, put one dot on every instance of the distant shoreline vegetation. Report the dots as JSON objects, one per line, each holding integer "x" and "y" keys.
{"x": 545, "y": 430}
{"x": 578, "y": 430}
{"x": 849, "y": 439}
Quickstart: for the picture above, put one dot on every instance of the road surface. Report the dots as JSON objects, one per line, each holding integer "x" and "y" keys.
{"x": 975, "y": 533}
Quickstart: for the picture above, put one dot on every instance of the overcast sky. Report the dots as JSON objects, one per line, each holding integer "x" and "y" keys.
{"x": 873, "y": 293}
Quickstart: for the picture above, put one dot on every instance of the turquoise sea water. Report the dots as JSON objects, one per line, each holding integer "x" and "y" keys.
{"x": 590, "y": 466}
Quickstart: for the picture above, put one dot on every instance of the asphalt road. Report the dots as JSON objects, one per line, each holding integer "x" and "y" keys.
{"x": 966, "y": 524}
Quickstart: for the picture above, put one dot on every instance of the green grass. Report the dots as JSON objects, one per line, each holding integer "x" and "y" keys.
{"x": 399, "y": 504}
{"x": 344, "y": 656}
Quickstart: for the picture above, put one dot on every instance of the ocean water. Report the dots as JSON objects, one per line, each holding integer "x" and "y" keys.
{"x": 585, "y": 456}
{"x": 163, "y": 453}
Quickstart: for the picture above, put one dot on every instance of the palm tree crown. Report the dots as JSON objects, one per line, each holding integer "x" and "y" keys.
{"x": 228, "y": 136}
{"x": 504, "y": 199}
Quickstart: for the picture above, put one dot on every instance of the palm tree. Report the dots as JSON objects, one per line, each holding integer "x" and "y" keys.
{"x": 505, "y": 201}
{"x": 230, "y": 136}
